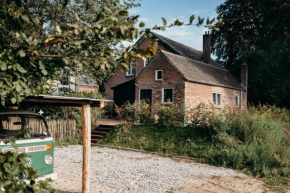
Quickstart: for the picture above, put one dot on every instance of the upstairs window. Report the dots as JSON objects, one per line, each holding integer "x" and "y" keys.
{"x": 64, "y": 79}
{"x": 86, "y": 81}
{"x": 146, "y": 62}
{"x": 217, "y": 99}
{"x": 237, "y": 98}
{"x": 158, "y": 75}
{"x": 167, "y": 95}
{"x": 130, "y": 71}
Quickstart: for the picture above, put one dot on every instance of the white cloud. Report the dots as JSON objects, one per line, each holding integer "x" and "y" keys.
{"x": 196, "y": 12}
{"x": 178, "y": 31}
{"x": 143, "y": 19}
{"x": 133, "y": 11}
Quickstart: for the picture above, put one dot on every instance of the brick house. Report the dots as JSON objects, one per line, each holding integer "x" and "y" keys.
{"x": 178, "y": 74}
{"x": 67, "y": 83}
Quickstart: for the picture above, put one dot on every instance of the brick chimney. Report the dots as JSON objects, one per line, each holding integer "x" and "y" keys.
{"x": 244, "y": 74}
{"x": 206, "y": 48}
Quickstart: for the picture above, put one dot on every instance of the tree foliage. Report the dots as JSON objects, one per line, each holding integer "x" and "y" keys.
{"x": 13, "y": 168}
{"x": 40, "y": 39}
{"x": 257, "y": 32}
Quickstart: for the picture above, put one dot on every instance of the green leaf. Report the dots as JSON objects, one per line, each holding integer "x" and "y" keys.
{"x": 21, "y": 53}
{"x": 164, "y": 21}
{"x": 25, "y": 18}
{"x": 65, "y": 61}
{"x": 142, "y": 24}
{"x": 107, "y": 10}
{"x": 20, "y": 68}
{"x": 200, "y": 20}
{"x": 44, "y": 72}
{"x": 178, "y": 23}
{"x": 191, "y": 19}
{"x": 3, "y": 65}
{"x": 217, "y": 29}
{"x": 18, "y": 88}
{"x": 13, "y": 100}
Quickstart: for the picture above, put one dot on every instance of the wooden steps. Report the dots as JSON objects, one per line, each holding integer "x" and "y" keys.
{"x": 99, "y": 133}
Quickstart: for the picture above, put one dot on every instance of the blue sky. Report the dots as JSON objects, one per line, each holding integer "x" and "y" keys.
{"x": 151, "y": 12}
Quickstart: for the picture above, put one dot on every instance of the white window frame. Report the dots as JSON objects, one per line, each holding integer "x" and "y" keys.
{"x": 130, "y": 72}
{"x": 146, "y": 62}
{"x": 162, "y": 100}
{"x": 156, "y": 74}
{"x": 216, "y": 101}
{"x": 237, "y": 96}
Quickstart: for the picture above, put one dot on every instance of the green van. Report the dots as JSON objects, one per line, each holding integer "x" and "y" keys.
{"x": 33, "y": 136}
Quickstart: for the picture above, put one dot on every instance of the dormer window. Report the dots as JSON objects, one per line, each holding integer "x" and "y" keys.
{"x": 158, "y": 75}
{"x": 130, "y": 71}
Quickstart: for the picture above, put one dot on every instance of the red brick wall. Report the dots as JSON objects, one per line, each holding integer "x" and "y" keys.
{"x": 82, "y": 88}
{"x": 120, "y": 77}
{"x": 197, "y": 93}
{"x": 115, "y": 79}
{"x": 171, "y": 79}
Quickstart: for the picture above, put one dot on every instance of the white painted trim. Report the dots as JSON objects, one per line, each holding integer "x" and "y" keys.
{"x": 156, "y": 74}
{"x": 239, "y": 102}
{"x": 52, "y": 176}
{"x": 130, "y": 72}
{"x": 216, "y": 98}
{"x": 23, "y": 141}
{"x": 162, "y": 100}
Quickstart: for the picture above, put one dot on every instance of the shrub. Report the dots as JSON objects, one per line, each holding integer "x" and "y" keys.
{"x": 144, "y": 112}
{"x": 200, "y": 115}
{"x": 170, "y": 114}
{"x": 13, "y": 166}
{"x": 250, "y": 140}
{"x": 133, "y": 112}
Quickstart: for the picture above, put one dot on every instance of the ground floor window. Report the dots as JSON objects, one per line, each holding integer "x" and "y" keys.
{"x": 167, "y": 95}
{"x": 217, "y": 99}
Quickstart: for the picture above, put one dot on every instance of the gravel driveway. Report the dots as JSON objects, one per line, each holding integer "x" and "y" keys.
{"x": 126, "y": 171}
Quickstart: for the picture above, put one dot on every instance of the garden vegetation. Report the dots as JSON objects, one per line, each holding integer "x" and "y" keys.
{"x": 255, "y": 141}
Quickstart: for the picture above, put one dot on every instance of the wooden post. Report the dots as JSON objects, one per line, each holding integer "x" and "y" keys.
{"x": 86, "y": 114}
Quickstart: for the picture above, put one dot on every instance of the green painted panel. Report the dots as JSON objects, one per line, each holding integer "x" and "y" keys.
{"x": 37, "y": 157}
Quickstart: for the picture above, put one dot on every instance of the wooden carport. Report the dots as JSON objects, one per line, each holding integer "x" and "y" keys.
{"x": 86, "y": 104}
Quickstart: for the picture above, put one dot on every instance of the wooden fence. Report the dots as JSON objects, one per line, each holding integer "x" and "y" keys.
{"x": 62, "y": 128}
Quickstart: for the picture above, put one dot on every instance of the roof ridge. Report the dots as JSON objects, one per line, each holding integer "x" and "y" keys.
{"x": 221, "y": 68}
{"x": 175, "y": 42}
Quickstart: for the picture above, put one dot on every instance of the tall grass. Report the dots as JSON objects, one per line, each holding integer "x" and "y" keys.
{"x": 252, "y": 140}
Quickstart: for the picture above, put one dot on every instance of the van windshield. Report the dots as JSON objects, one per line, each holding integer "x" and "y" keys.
{"x": 23, "y": 126}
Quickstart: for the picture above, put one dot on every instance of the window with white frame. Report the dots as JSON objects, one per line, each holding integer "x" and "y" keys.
{"x": 216, "y": 99}
{"x": 130, "y": 71}
{"x": 237, "y": 98}
{"x": 158, "y": 75}
{"x": 167, "y": 95}
{"x": 64, "y": 79}
{"x": 146, "y": 62}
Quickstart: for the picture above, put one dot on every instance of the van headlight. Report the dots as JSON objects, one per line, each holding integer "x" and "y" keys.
{"x": 48, "y": 159}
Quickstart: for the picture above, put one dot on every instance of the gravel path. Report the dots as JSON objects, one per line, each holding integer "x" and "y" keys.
{"x": 125, "y": 171}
